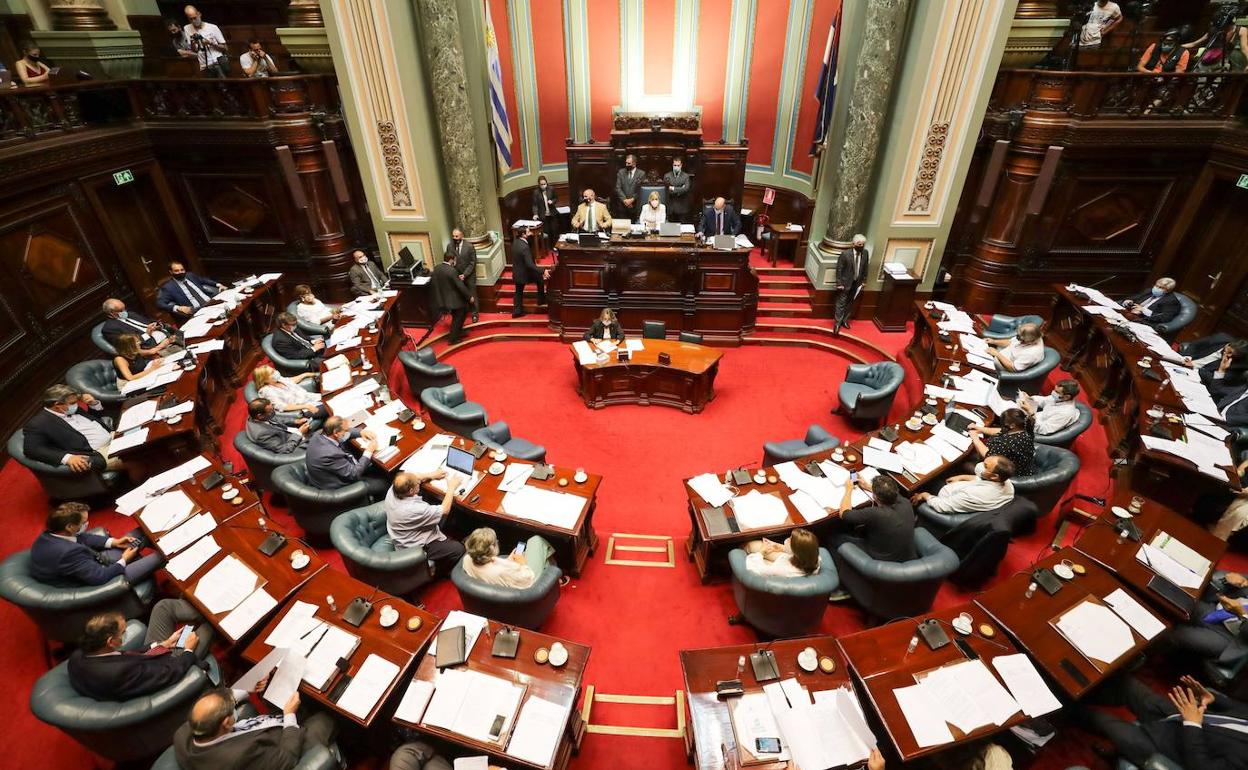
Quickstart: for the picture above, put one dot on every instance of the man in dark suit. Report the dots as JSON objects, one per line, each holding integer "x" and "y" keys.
{"x": 66, "y": 554}
{"x": 449, "y": 294}
{"x": 1155, "y": 306}
{"x": 720, "y": 219}
{"x": 1228, "y": 372}
{"x": 289, "y": 342}
{"x": 264, "y": 430}
{"x": 153, "y": 342}
{"x": 1212, "y": 640}
{"x": 887, "y": 528}
{"x": 628, "y": 188}
{"x": 365, "y": 278}
{"x": 102, "y": 670}
{"x": 214, "y": 738}
{"x": 184, "y": 293}
{"x": 1193, "y": 726}
{"x": 331, "y": 466}
{"x": 525, "y": 271}
{"x": 465, "y": 257}
{"x": 678, "y": 186}
{"x": 1233, "y": 407}
{"x": 64, "y": 433}
{"x": 544, "y": 211}
{"x": 851, "y": 273}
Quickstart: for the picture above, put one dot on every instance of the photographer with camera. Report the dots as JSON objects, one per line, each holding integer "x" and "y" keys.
{"x": 256, "y": 63}
{"x": 207, "y": 42}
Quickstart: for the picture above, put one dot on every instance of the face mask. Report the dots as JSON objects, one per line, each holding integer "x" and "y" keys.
{"x": 85, "y": 523}
{"x": 676, "y": 169}
{"x": 1158, "y": 292}
{"x": 543, "y": 185}
{"x": 178, "y": 276}
{"x": 123, "y": 315}
{"x": 198, "y": 22}
{"x": 72, "y": 409}
{"x": 654, "y": 204}
{"x": 361, "y": 260}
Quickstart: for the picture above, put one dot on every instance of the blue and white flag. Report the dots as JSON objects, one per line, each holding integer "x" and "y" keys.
{"x": 825, "y": 93}
{"x": 498, "y": 102}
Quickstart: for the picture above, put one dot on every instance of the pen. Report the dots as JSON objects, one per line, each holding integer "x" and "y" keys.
{"x": 308, "y": 633}
{"x": 319, "y": 639}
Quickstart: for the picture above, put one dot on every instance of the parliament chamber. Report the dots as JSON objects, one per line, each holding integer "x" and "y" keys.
{"x": 299, "y": 474}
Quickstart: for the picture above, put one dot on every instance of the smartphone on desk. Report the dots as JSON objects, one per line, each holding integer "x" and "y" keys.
{"x": 767, "y": 745}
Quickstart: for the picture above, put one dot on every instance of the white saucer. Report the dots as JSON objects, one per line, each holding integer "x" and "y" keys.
{"x": 393, "y": 618}
{"x": 962, "y": 626}
{"x": 1121, "y": 513}
{"x": 558, "y": 655}
{"x": 300, "y": 561}
{"x": 496, "y": 469}
{"x": 1064, "y": 572}
{"x": 808, "y": 659}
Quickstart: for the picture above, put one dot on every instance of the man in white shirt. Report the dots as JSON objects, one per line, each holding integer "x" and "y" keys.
{"x": 206, "y": 40}
{"x": 411, "y": 522}
{"x": 1054, "y": 412}
{"x": 257, "y": 63}
{"x": 1023, "y": 351}
{"x": 63, "y": 434}
{"x": 1104, "y": 16}
{"x": 987, "y": 491}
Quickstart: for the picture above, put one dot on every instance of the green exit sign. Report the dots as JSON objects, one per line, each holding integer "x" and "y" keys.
{"x": 126, "y": 176}
{"x": 1243, "y": 181}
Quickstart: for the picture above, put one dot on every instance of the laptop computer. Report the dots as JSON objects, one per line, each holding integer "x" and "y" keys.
{"x": 725, "y": 242}
{"x": 459, "y": 460}
{"x": 669, "y": 229}
{"x": 590, "y": 240}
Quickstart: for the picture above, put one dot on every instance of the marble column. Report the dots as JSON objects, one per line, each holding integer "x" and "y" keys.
{"x": 875, "y": 72}
{"x": 79, "y": 16}
{"x": 305, "y": 13}
{"x": 444, "y": 62}
{"x": 305, "y": 37}
{"x": 1037, "y": 28}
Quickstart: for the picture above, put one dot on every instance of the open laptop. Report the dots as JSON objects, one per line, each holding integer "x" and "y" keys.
{"x": 669, "y": 229}
{"x": 459, "y": 460}
{"x": 591, "y": 239}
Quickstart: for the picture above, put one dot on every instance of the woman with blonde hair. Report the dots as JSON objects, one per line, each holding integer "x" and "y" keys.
{"x": 798, "y": 556}
{"x": 521, "y": 567}
{"x": 128, "y": 362}
{"x": 654, "y": 213}
{"x": 286, "y": 394}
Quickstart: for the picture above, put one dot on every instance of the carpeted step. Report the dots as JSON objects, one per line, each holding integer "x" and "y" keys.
{"x": 785, "y": 309}
{"x": 786, "y": 297}
{"x": 815, "y": 331}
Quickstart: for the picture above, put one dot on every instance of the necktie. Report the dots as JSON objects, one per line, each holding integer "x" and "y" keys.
{"x": 593, "y": 220}
{"x": 301, "y": 340}
{"x": 719, "y": 226}
{"x": 194, "y": 294}
{"x": 372, "y": 277}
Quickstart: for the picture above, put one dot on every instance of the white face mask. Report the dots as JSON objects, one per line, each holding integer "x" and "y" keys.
{"x": 654, "y": 204}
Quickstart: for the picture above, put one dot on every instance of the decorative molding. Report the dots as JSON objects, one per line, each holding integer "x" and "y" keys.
{"x": 400, "y": 196}
{"x": 925, "y": 179}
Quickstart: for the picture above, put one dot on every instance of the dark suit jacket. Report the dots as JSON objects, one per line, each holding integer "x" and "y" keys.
{"x": 291, "y": 345}
{"x": 628, "y": 185}
{"x": 115, "y": 327}
{"x": 600, "y": 332}
{"x": 465, "y": 262}
{"x": 1207, "y": 747}
{"x": 171, "y": 294}
{"x": 1234, "y": 379}
{"x": 1237, "y": 417}
{"x": 277, "y": 748}
{"x": 48, "y": 438}
{"x": 330, "y": 465}
{"x": 540, "y": 203}
{"x": 60, "y": 562}
{"x": 273, "y": 437}
{"x": 845, "y": 274}
{"x": 128, "y": 674}
{"x": 447, "y": 291}
{"x": 358, "y": 275}
{"x": 1165, "y": 309}
{"x": 888, "y": 529}
{"x": 678, "y": 194}
{"x": 732, "y": 222}
{"x": 523, "y": 268}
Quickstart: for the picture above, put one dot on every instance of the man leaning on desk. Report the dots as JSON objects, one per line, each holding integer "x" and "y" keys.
{"x": 331, "y": 466}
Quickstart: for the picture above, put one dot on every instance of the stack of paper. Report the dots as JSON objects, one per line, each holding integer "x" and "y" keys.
{"x": 136, "y": 415}
{"x": 1095, "y": 296}
{"x": 585, "y": 353}
{"x": 1162, "y": 563}
{"x": 827, "y": 733}
{"x": 1181, "y": 552}
{"x": 223, "y": 587}
{"x": 335, "y": 379}
{"x": 128, "y": 441}
{"x": 756, "y": 510}
{"x": 557, "y": 509}
{"x": 1144, "y": 622}
{"x": 1096, "y": 632}
{"x": 538, "y": 730}
{"x": 196, "y": 327}
{"x": 167, "y": 511}
{"x": 323, "y": 647}
{"x": 412, "y": 706}
{"x": 1026, "y": 685}
{"x": 468, "y": 703}
{"x": 248, "y": 613}
{"x": 186, "y": 563}
{"x": 711, "y": 489}
{"x": 515, "y": 476}
{"x": 885, "y": 461}
{"x": 918, "y": 458}
{"x": 370, "y": 682}
{"x": 186, "y": 533}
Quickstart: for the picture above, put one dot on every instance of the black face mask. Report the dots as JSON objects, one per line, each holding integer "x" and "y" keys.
{"x": 178, "y": 276}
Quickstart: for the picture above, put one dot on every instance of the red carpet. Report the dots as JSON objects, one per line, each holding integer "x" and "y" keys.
{"x": 635, "y": 618}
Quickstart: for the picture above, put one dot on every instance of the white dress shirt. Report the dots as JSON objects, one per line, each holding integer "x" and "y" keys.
{"x": 971, "y": 496}
{"x": 1024, "y": 356}
{"x": 284, "y": 392}
{"x": 1053, "y": 415}
{"x": 653, "y": 216}
{"x": 97, "y": 435}
{"x": 315, "y": 313}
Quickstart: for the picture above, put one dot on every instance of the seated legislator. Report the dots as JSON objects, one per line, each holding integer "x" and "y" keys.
{"x": 129, "y": 361}
{"x": 118, "y": 321}
{"x": 64, "y": 433}
{"x": 1232, "y": 407}
{"x": 986, "y": 491}
{"x": 365, "y": 278}
{"x": 331, "y": 466}
{"x": 1224, "y": 370}
{"x": 66, "y": 555}
{"x": 1054, "y": 412}
{"x": 797, "y": 556}
{"x": 100, "y": 669}
{"x": 1165, "y": 55}
{"x": 1023, "y": 351}
{"x": 1013, "y": 440}
{"x": 591, "y": 215}
{"x": 213, "y": 738}
{"x": 605, "y": 327}
{"x": 519, "y": 570}
{"x": 1192, "y": 726}
{"x": 264, "y": 430}
{"x": 311, "y": 310}
{"x": 411, "y": 522}
{"x": 286, "y": 395}
{"x": 720, "y": 219}
{"x": 184, "y": 292}
{"x": 885, "y": 531}
{"x": 1206, "y": 636}
{"x": 418, "y": 755}
{"x": 1155, "y": 306}
{"x": 289, "y": 342}
{"x": 654, "y": 213}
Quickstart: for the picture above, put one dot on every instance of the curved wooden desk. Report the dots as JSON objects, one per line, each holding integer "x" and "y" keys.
{"x": 686, "y": 382}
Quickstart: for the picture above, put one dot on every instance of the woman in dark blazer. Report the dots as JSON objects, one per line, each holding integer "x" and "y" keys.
{"x": 544, "y": 203}
{"x": 605, "y": 328}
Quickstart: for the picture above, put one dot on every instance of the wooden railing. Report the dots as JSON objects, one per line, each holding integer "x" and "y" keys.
{"x": 1121, "y": 94}
{"x": 34, "y": 113}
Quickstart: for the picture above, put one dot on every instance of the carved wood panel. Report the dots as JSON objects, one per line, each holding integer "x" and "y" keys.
{"x": 233, "y": 208}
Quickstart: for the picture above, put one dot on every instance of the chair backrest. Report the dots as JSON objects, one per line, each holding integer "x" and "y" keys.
{"x": 692, "y": 337}
{"x": 889, "y": 590}
{"x": 653, "y": 330}
{"x": 97, "y": 377}
{"x": 500, "y": 432}
{"x": 426, "y": 355}
{"x": 1053, "y": 469}
{"x": 262, "y": 462}
{"x": 885, "y": 374}
{"x": 524, "y": 607}
{"x": 62, "y": 612}
{"x": 646, "y": 189}
{"x": 1187, "y": 314}
{"x": 782, "y": 606}
{"x": 450, "y": 395}
{"x": 97, "y": 336}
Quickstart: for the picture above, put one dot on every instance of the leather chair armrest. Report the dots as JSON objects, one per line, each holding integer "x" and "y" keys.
{"x": 133, "y": 636}
{"x": 857, "y": 373}
{"x": 57, "y": 598}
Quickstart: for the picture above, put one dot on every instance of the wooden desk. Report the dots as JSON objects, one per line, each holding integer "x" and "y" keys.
{"x": 688, "y": 287}
{"x": 686, "y": 382}
{"x": 561, "y": 686}
{"x": 781, "y": 234}
{"x": 1101, "y": 543}
{"x": 395, "y": 644}
{"x": 1028, "y": 620}
{"x": 710, "y": 737}
{"x": 892, "y": 307}
{"x": 877, "y": 657}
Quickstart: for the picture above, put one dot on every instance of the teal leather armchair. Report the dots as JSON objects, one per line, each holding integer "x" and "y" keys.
{"x": 780, "y": 607}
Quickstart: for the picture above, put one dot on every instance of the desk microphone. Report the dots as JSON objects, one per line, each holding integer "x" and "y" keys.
{"x": 358, "y": 609}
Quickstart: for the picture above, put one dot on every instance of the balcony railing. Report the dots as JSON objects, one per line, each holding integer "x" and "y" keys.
{"x": 32, "y": 113}
{"x": 1121, "y": 94}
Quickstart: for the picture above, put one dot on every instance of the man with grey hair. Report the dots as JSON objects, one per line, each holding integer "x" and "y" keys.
{"x": 153, "y": 342}
{"x": 1155, "y": 306}
{"x": 214, "y": 737}
{"x": 851, "y": 274}
{"x": 1022, "y": 351}
{"x": 71, "y": 431}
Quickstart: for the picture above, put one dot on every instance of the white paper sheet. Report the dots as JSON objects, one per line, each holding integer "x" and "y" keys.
{"x": 923, "y": 716}
{"x": 805, "y": 504}
{"x": 711, "y": 489}
{"x": 756, "y": 510}
{"x": 471, "y": 763}
{"x": 248, "y": 613}
{"x": 585, "y": 353}
{"x": 294, "y": 624}
{"x": 223, "y": 587}
{"x": 259, "y": 671}
{"x": 206, "y": 346}
{"x": 473, "y": 625}
{"x": 1144, "y": 622}
{"x": 1181, "y": 552}
{"x": 984, "y": 689}
{"x": 538, "y": 730}
{"x": 184, "y": 564}
{"x": 515, "y": 476}
{"x": 186, "y": 533}
{"x": 335, "y": 379}
{"x": 367, "y": 686}
{"x": 467, "y": 702}
{"x": 323, "y": 649}
{"x": 285, "y": 680}
{"x": 136, "y": 415}
{"x": 556, "y": 509}
{"x": 167, "y": 511}
{"x": 634, "y": 344}
{"x": 885, "y": 461}
{"x": 1096, "y": 631}
{"x": 128, "y": 441}
{"x": 1026, "y": 684}
{"x": 1161, "y": 563}
{"x": 412, "y": 706}
{"x": 954, "y": 701}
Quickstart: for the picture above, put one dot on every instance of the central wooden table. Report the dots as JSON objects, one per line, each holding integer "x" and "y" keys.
{"x": 686, "y": 381}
